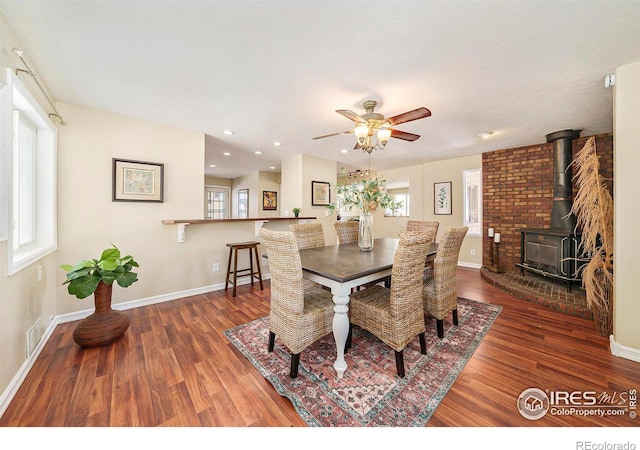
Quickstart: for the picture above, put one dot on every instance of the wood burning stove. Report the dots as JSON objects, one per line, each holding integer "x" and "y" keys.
{"x": 554, "y": 252}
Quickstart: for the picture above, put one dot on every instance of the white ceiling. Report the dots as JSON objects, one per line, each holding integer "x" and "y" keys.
{"x": 278, "y": 69}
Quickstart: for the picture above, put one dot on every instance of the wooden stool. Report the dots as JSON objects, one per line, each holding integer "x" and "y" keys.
{"x": 233, "y": 254}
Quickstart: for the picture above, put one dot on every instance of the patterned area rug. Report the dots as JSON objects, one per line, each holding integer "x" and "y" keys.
{"x": 370, "y": 393}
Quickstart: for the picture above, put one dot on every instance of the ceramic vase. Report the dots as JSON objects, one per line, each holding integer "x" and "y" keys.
{"x": 105, "y": 325}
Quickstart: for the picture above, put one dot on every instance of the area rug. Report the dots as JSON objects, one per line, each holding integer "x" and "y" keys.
{"x": 370, "y": 393}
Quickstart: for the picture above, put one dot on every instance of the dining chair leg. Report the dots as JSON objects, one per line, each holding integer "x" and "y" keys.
{"x": 440, "y": 327}
{"x": 423, "y": 343}
{"x": 400, "y": 363}
{"x": 295, "y": 360}
{"x": 455, "y": 316}
{"x": 272, "y": 341}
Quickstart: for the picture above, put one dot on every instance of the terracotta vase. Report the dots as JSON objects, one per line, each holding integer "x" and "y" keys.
{"x": 105, "y": 325}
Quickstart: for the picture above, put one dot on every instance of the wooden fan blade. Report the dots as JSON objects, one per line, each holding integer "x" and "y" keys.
{"x": 334, "y": 134}
{"x": 416, "y": 114}
{"x": 350, "y": 115}
{"x": 404, "y": 135}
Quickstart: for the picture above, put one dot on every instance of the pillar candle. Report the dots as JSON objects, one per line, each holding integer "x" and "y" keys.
{"x": 497, "y": 238}
{"x": 490, "y": 232}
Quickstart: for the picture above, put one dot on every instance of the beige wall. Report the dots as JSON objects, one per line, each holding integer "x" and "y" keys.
{"x": 626, "y": 161}
{"x": 421, "y": 179}
{"x": 88, "y": 221}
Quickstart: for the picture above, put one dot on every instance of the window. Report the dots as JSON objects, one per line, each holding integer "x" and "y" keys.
{"x": 399, "y": 190}
{"x": 32, "y": 198}
{"x": 243, "y": 204}
{"x": 217, "y": 202}
{"x": 473, "y": 201}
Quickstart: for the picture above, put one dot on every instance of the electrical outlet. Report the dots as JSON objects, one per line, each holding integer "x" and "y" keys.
{"x": 473, "y": 252}
{"x": 216, "y": 267}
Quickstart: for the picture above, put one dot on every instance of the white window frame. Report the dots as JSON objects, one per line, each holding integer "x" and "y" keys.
{"x": 227, "y": 200}
{"x": 475, "y": 176}
{"x": 45, "y": 242}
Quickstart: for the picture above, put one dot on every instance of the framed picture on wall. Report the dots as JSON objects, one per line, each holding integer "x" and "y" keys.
{"x": 269, "y": 200}
{"x": 243, "y": 204}
{"x": 442, "y": 198}
{"x": 137, "y": 181}
{"x": 320, "y": 193}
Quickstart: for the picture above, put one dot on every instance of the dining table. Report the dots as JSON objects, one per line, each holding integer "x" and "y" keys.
{"x": 342, "y": 267}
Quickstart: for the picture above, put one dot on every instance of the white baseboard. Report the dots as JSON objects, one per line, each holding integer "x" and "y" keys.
{"x": 22, "y": 373}
{"x": 622, "y": 351}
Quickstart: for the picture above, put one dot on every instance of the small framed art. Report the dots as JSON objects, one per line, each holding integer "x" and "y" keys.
{"x": 442, "y": 198}
{"x": 137, "y": 181}
{"x": 269, "y": 200}
{"x": 320, "y": 193}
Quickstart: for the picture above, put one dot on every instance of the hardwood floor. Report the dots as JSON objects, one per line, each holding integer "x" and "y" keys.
{"x": 175, "y": 368}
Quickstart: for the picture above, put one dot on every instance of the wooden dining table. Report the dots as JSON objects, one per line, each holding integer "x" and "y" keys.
{"x": 343, "y": 267}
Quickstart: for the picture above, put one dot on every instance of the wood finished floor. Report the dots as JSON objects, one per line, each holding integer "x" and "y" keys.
{"x": 175, "y": 367}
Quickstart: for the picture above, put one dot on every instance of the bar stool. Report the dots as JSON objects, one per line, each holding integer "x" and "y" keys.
{"x": 233, "y": 255}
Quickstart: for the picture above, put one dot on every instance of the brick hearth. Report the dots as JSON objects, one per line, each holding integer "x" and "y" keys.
{"x": 540, "y": 290}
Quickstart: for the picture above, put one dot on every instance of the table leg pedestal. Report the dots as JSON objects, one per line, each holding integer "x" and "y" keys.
{"x": 340, "y": 331}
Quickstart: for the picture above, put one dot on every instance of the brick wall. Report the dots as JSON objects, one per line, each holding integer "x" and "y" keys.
{"x": 517, "y": 186}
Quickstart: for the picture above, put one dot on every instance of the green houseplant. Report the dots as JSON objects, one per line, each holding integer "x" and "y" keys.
{"x": 96, "y": 276}
{"x": 296, "y": 211}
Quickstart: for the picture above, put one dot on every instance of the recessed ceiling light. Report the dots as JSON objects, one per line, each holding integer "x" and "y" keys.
{"x": 486, "y": 135}
{"x": 344, "y": 150}
{"x": 277, "y": 144}
{"x": 229, "y": 132}
{"x": 227, "y": 154}
{"x": 212, "y": 165}
{"x": 258, "y": 152}
{"x": 272, "y": 167}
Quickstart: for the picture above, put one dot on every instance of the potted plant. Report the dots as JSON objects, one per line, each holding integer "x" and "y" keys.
{"x": 96, "y": 276}
{"x": 593, "y": 207}
{"x": 368, "y": 196}
{"x": 296, "y": 211}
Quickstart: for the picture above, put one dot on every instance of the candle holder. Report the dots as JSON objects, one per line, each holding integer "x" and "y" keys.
{"x": 495, "y": 260}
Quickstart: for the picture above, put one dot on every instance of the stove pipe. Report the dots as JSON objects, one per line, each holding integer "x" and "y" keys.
{"x": 561, "y": 216}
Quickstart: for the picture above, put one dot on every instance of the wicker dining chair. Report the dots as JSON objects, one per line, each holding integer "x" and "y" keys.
{"x": 423, "y": 225}
{"x": 395, "y": 315}
{"x": 347, "y": 231}
{"x": 298, "y": 316}
{"x": 308, "y": 235}
{"x": 440, "y": 292}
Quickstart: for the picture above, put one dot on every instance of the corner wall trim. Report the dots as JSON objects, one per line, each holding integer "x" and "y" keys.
{"x": 623, "y": 351}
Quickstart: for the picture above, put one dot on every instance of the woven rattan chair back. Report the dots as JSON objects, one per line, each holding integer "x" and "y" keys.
{"x": 347, "y": 231}
{"x": 422, "y": 226}
{"x": 396, "y": 315}
{"x": 440, "y": 291}
{"x": 308, "y": 235}
{"x": 298, "y": 316}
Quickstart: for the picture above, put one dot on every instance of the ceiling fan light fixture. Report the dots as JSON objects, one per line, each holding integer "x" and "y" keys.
{"x": 361, "y": 131}
{"x": 383, "y": 135}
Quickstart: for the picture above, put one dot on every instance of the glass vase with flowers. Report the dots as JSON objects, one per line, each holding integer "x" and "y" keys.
{"x": 367, "y": 196}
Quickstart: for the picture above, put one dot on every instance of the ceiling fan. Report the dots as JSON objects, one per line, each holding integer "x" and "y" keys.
{"x": 373, "y": 130}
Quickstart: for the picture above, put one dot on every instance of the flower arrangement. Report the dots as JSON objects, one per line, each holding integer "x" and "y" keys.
{"x": 366, "y": 195}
